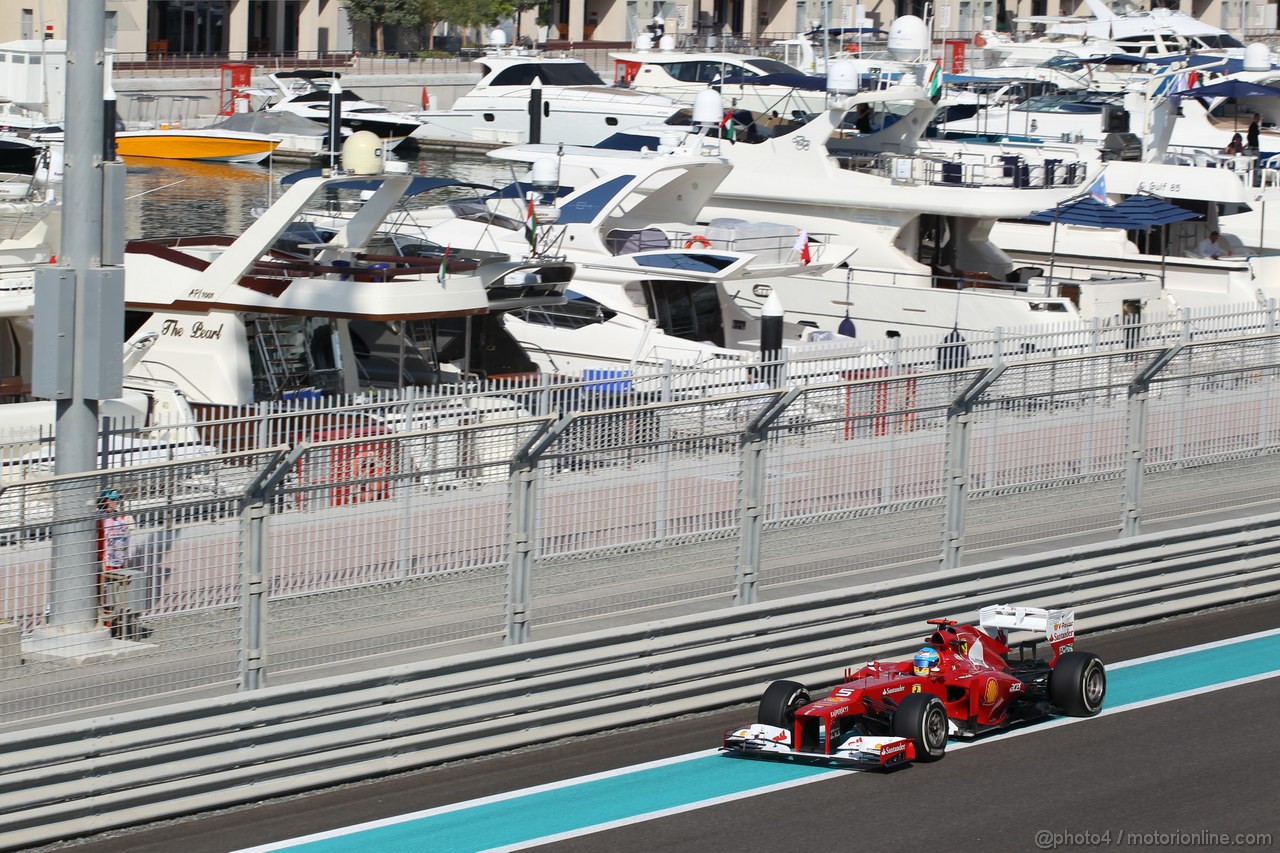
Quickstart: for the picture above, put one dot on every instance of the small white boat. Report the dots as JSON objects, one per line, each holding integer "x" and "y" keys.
{"x": 307, "y": 93}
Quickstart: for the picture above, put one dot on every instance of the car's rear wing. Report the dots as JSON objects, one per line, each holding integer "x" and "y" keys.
{"x": 1058, "y": 626}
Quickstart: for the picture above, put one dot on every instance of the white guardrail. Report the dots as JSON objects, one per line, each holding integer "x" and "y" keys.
{"x": 77, "y": 778}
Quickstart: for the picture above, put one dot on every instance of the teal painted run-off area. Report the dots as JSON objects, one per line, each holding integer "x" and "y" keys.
{"x": 597, "y": 801}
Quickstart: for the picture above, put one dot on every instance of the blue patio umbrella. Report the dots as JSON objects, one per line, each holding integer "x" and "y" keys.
{"x": 1230, "y": 89}
{"x": 1135, "y": 213}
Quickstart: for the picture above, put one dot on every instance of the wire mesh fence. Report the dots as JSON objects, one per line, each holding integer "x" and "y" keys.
{"x": 286, "y": 542}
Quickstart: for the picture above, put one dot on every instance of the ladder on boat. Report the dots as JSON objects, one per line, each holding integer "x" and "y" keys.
{"x": 282, "y": 353}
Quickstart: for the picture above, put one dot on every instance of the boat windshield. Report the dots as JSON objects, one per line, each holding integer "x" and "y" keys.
{"x": 1084, "y": 103}
{"x": 770, "y": 66}
{"x": 551, "y": 74}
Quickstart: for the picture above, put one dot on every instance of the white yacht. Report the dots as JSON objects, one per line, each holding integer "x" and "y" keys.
{"x": 649, "y": 286}
{"x": 578, "y": 108}
{"x": 759, "y": 84}
{"x": 1126, "y": 28}
{"x": 907, "y": 229}
{"x": 238, "y": 320}
{"x": 307, "y": 93}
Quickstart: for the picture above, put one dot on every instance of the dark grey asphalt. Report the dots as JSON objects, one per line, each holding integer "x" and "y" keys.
{"x": 1200, "y": 764}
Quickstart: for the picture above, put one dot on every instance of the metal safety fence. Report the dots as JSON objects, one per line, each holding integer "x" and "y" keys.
{"x": 290, "y": 543}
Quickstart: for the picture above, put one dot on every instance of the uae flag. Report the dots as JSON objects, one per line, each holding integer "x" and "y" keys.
{"x": 531, "y": 224}
{"x": 934, "y": 84}
{"x": 727, "y": 127}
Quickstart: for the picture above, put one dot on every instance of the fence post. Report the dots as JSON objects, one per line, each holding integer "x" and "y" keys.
{"x": 253, "y": 597}
{"x": 751, "y": 517}
{"x": 524, "y": 525}
{"x": 255, "y": 547}
{"x": 524, "y": 482}
{"x": 1136, "y": 440}
{"x": 956, "y": 465}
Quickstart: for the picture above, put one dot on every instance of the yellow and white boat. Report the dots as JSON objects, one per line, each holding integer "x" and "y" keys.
{"x": 206, "y": 143}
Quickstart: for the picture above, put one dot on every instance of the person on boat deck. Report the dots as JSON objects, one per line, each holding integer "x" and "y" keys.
{"x": 863, "y": 119}
{"x": 1235, "y": 146}
{"x": 1252, "y": 134}
{"x": 1211, "y": 247}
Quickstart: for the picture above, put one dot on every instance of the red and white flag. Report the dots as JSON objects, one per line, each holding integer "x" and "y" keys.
{"x": 801, "y": 247}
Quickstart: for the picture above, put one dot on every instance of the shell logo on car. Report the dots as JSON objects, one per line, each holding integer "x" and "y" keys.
{"x": 990, "y": 692}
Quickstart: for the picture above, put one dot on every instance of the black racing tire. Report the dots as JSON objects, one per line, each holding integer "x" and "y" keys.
{"x": 1078, "y": 684}
{"x": 922, "y": 719}
{"x": 779, "y": 703}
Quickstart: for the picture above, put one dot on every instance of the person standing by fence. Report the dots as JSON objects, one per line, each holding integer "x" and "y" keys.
{"x": 114, "y": 530}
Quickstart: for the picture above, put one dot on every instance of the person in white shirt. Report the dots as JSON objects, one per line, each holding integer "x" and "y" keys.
{"x": 1211, "y": 246}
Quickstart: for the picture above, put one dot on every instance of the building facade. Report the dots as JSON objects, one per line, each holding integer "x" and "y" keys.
{"x": 239, "y": 28}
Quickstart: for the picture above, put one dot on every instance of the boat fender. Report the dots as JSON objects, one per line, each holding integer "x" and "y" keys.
{"x": 699, "y": 240}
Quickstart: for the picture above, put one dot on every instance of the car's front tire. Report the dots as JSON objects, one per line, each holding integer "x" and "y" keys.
{"x": 1078, "y": 684}
{"x": 780, "y": 702}
{"x": 922, "y": 719}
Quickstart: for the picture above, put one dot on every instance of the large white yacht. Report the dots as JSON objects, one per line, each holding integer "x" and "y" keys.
{"x": 247, "y": 319}
{"x": 649, "y": 286}
{"x": 578, "y": 108}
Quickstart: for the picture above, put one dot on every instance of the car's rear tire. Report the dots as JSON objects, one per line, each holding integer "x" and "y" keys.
{"x": 922, "y": 719}
{"x": 779, "y": 703}
{"x": 1078, "y": 684}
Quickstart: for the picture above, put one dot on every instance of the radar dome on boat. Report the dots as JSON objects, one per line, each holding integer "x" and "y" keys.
{"x": 908, "y": 38}
{"x": 545, "y": 173}
{"x": 1257, "y": 57}
{"x": 667, "y": 43}
{"x": 362, "y": 153}
{"x": 842, "y": 78}
{"x": 708, "y": 108}
{"x": 497, "y": 38}
{"x": 644, "y": 42}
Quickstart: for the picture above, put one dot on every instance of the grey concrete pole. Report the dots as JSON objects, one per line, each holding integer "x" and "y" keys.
{"x": 80, "y": 326}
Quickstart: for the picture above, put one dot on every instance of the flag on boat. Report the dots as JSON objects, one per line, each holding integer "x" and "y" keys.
{"x": 726, "y": 125}
{"x": 934, "y": 84}
{"x": 444, "y": 265}
{"x": 1098, "y": 190}
{"x": 426, "y": 98}
{"x": 531, "y": 224}
{"x": 801, "y": 246}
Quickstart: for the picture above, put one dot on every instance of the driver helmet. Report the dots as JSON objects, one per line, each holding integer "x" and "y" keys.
{"x": 925, "y": 660}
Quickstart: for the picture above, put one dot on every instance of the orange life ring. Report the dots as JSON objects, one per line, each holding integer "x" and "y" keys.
{"x": 699, "y": 239}
{"x": 979, "y": 40}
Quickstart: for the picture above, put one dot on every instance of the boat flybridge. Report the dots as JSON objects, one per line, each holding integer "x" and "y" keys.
{"x": 578, "y": 108}
{"x": 241, "y": 320}
{"x": 650, "y": 286}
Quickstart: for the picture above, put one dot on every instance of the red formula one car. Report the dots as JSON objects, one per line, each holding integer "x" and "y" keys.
{"x": 965, "y": 681}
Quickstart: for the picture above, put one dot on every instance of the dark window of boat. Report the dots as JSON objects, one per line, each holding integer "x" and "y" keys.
{"x": 696, "y": 262}
{"x": 558, "y": 74}
{"x": 611, "y": 121}
{"x": 488, "y": 116}
{"x": 769, "y": 66}
{"x": 689, "y": 310}
{"x": 578, "y": 311}
{"x": 324, "y": 96}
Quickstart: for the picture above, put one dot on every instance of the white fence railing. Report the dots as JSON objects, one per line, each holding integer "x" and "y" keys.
{"x": 64, "y": 780}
